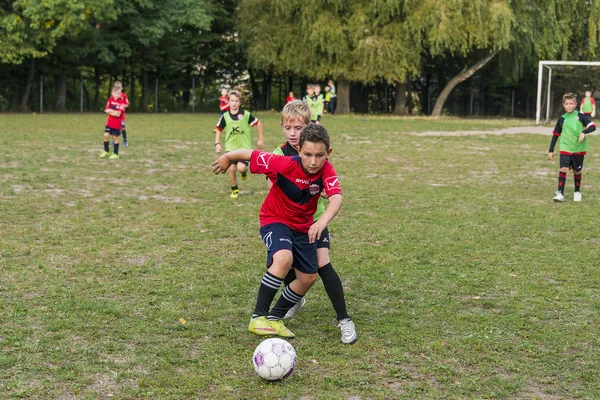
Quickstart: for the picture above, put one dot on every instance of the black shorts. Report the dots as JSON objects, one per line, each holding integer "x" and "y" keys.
{"x": 324, "y": 242}
{"x": 112, "y": 131}
{"x": 574, "y": 162}
{"x": 281, "y": 237}
{"x": 243, "y": 162}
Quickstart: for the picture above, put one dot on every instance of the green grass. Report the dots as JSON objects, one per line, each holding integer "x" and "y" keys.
{"x": 463, "y": 278}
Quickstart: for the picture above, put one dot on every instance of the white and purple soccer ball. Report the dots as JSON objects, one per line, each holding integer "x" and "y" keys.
{"x": 274, "y": 359}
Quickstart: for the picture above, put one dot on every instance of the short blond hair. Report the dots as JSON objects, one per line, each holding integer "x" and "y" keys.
{"x": 569, "y": 96}
{"x": 117, "y": 86}
{"x": 296, "y": 109}
{"x": 235, "y": 93}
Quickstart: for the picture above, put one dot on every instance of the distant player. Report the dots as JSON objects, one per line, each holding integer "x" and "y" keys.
{"x": 318, "y": 103}
{"x": 224, "y": 101}
{"x": 572, "y": 128}
{"x": 290, "y": 97}
{"x": 237, "y": 124}
{"x": 588, "y": 105}
{"x": 294, "y": 117}
{"x": 115, "y": 108}
{"x": 311, "y": 100}
{"x": 287, "y": 226}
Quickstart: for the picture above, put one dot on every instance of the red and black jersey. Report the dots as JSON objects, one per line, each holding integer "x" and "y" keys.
{"x": 292, "y": 200}
{"x": 119, "y": 105}
{"x": 224, "y": 103}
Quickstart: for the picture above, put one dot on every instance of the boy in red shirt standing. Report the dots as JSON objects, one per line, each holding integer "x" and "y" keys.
{"x": 115, "y": 108}
{"x": 287, "y": 222}
{"x": 224, "y": 101}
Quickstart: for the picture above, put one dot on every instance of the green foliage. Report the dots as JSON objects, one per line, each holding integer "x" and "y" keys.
{"x": 31, "y": 28}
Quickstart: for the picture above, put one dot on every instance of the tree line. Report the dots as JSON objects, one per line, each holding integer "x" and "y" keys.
{"x": 399, "y": 55}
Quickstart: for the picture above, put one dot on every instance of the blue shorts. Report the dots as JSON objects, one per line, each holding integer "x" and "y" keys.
{"x": 112, "y": 131}
{"x": 280, "y": 237}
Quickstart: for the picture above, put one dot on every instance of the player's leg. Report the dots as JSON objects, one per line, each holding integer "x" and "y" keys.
{"x": 242, "y": 168}
{"x": 106, "y": 151}
{"x": 305, "y": 264}
{"x": 577, "y": 169}
{"x": 232, "y": 179}
{"x": 565, "y": 164}
{"x": 279, "y": 262}
{"x": 334, "y": 289}
{"x": 124, "y": 131}
{"x": 115, "y": 154}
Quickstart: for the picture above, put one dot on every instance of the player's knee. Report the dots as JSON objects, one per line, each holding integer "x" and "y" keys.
{"x": 241, "y": 167}
{"x": 283, "y": 259}
{"x": 307, "y": 280}
{"x": 322, "y": 259}
{"x": 565, "y": 170}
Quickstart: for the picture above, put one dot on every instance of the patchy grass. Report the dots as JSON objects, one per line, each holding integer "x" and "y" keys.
{"x": 463, "y": 278}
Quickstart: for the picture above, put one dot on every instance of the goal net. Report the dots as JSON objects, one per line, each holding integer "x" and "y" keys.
{"x": 556, "y": 78}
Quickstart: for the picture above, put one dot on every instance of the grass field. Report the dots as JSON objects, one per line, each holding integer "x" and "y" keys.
{"x": 464, "y": 279}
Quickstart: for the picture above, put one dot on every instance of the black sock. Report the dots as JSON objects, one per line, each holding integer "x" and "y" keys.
{"x": 287, "y": 300}
{"x": 334, "y": 289}
{"x": 266, "y": 293}
{"x": 234, "y": 187}
{"x": 124, "y": 134}
{"x": 116, "y": 146}
{"x": 290, "y": 277}
{"x": 106, "y": 148}
{"x": 577, "y": 182}
{"x": 562, "y": 178}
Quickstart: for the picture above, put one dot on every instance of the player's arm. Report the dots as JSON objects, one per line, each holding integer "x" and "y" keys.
{"x": 253, "y": 121}
{"x": 555, "y": 135}
{"x": 222, "y": 164}
{"x": 220, "y": 126}
{"x": 335, "y": 203}
{"x": 588, "y": 124}
{"x": 593, "y": 108}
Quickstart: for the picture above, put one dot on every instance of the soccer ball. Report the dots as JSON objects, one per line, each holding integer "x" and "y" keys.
{"x": 274, "y": 359}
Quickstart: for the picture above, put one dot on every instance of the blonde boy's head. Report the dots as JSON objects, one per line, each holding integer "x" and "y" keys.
{"x": 569, "y": 96}
{"x": 117, "y": 86}
{"x": 296, "y": 110}
{"x": 236, "y": 94}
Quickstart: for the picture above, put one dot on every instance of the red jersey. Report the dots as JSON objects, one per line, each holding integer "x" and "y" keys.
{"x": 119, "y": 105}
{"x": 224, "y": 103}
{"x": 293, "y": 199}
{"x": 289, "y": 99}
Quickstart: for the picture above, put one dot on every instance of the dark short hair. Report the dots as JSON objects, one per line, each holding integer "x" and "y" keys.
{"x": 314, "y": 133}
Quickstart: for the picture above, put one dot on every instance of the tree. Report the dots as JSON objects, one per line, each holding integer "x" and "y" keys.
{"x": 355, "y": 40}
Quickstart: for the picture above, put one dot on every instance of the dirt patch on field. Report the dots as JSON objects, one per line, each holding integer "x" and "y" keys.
{"x": 538, "y": 130}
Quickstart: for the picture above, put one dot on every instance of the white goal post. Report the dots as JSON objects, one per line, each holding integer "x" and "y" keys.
{"x": 549, "y": 65}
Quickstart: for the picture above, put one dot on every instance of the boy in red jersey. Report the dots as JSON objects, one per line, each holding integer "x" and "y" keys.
{"x": 286, "y": 221}
{"x": 224, "y": 101}
{"x": 115, "y": 108}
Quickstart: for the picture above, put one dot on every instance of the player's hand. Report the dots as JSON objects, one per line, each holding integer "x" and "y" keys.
{"x": 581, "y": 137}
{"x": 259, "y": 145}
{"x": 218, "y": 148}
{"x": 550, "y": 155}
{"x": 593, "y": 115}
{"x": 324, "y": 194}
{"x": 314, "y": 233}
{"x": 221, "y": 165}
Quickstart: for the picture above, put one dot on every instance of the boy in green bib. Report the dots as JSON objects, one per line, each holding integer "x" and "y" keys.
{"x": 588, "y": 105}
{"x": 572, "y": 128}
{"x": 236, "y": 124}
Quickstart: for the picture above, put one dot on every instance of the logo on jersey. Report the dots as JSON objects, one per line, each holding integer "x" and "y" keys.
{"x": 314, "y": 189}
{"x": 332, "y": 182}
{"x": 267, "y": 240}
{"x": 263, "y": 159}
{"x": 235, "y": 130}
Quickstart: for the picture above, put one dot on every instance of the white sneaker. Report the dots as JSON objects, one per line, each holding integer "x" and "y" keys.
{"x": 348, "y": 331}
{"x": 577, "y": 196}
{"x": 292, "y": 311}
{"x": 559, "y": 197}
